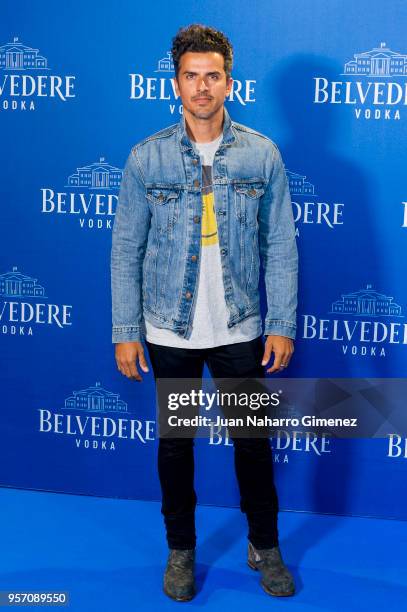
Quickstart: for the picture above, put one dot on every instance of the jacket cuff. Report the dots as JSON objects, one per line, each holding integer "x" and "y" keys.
{"x": 126, "y": 333}
{"x": 277, "y": 327}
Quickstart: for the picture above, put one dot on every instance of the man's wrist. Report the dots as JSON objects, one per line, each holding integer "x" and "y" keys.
{"x": 279, "y": 336}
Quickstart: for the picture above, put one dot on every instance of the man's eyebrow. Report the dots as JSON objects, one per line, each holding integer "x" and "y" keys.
{"x": 193, "y": 72}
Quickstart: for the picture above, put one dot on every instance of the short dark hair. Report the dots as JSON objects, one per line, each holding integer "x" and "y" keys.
{"x": 200, "y": 38}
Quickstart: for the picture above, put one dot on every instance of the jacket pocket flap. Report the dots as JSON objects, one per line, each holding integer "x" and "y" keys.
{"x": 159, "y": 195}
{"x": 251, "y": 190}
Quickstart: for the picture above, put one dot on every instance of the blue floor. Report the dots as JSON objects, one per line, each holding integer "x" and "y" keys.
{"x": 110, "y": 554}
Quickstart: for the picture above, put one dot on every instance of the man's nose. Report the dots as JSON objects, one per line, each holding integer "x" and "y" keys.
{"x": 201, "y": 85}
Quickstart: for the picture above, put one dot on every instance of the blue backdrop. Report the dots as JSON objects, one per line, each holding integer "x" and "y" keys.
{"x": 80, "y": 84}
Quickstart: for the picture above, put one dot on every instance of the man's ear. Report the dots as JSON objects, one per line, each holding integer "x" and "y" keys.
{"x": 175, "y": 81}
{"x": 229, "y": 84}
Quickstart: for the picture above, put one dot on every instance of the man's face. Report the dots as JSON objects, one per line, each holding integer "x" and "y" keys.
{"x": 202, "y": 83}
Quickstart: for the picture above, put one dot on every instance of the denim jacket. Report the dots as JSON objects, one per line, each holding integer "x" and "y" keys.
{"x": 156, "y": 237}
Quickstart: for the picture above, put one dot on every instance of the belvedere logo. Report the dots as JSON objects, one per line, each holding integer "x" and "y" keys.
{"x": 306, "y": 207}
{"x": 21, "y": 91}
{"x": 404, "y": 224}
{"x": 91, "y": 198}
{"x": 24, "y": 308}
{"x": 367, "y": 323}
{"x": 162, "y": 88}
{"x": 397, "y": 447}
{"x": 375, "y": 87}
{"x": 103, "y": 420}
{"x": 284, "y": 443}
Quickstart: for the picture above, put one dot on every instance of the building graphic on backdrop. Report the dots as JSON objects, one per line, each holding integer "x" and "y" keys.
{"x": 165, "y": 64}
{"x": 15, "y": 284}
{"x": 99, "y": 175}
{"x": 96, "y": 399}
{"x": 298, "y": 185}
{"x": 16, "y": 56}
{"x": 364, "y": 323}
{"x": 366, "y": 302}
{"x": 379, "y": 62}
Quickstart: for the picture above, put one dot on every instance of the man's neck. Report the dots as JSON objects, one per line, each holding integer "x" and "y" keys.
{"x": 204, "y": 130}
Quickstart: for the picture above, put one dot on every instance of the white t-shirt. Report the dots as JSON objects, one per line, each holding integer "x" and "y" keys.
{"x": 209, "y": 326}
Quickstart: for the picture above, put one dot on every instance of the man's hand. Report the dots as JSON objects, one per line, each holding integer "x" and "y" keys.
{"x": 282, "y": 347}
{"x": 127, "y": 354}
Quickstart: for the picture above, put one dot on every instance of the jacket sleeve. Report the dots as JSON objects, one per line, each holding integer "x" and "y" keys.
{"x": 129, "y": 241}
{"x": 278, "y": 252}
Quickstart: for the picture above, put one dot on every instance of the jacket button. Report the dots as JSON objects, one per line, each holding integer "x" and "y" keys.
{"x": 197, "y": 219}
{"x": 188, "y": 295}
{"x": 161, "y": 197}
{"x": 252, "y": 192}
{"x": 194, "y": 257}
{"x": 224, "y": 251}
{"x": 195, "y": 161}
{"x": 196, "y": 183}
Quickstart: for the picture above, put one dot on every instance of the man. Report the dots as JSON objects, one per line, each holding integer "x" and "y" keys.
{"x": 200, "y": 202}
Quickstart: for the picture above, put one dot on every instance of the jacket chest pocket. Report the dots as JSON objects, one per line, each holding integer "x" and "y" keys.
{"x": 247, "y": 197}
{"x": 165, "y": 207}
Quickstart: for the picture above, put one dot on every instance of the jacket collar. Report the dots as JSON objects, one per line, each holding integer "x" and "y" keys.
{"x": 229, "y": 135}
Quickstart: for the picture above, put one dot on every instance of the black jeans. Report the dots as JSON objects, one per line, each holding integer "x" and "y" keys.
{"x": 253, "y": 457}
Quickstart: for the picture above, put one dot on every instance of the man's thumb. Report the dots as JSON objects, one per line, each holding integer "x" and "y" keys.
{"x": 267, "y": 355}
{"x": 143, "y": 362}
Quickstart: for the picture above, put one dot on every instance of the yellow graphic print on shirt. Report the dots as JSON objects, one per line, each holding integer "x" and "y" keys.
{"x": 209, "y": 225}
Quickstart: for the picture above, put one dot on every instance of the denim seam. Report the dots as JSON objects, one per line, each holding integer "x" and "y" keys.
{"x": 280, "y": 322}
{"x": 169, "y": 131}
{"x": 138, "y": 165}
